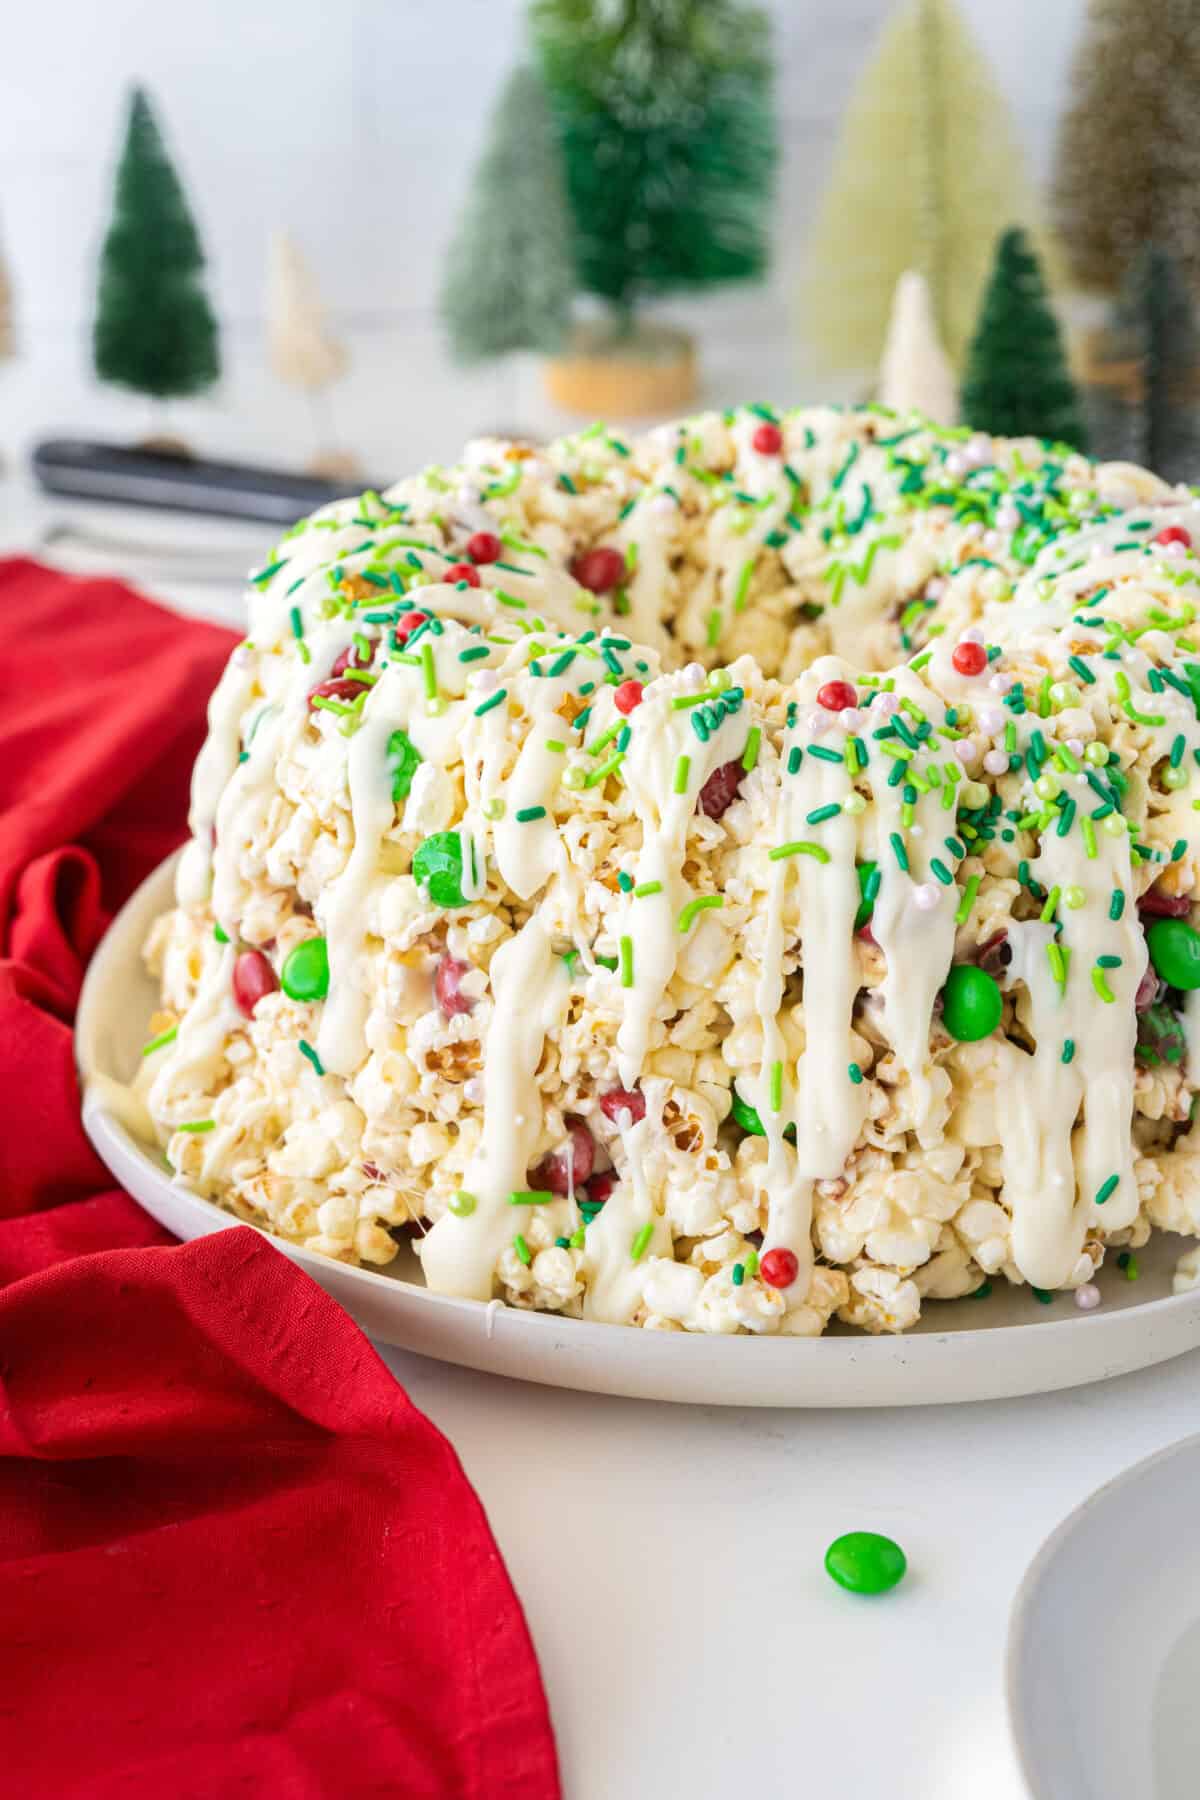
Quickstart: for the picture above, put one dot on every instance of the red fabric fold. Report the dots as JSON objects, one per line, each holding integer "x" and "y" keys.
{"x": 234, "y": 1559}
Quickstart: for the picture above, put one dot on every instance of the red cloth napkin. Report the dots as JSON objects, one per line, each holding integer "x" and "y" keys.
{"x": 234, "y": 1559}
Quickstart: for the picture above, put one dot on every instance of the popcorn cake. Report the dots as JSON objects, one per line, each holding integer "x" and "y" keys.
{"x": 719, "y": 882}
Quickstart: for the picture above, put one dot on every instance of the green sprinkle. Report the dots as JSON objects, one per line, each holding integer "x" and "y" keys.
{"x": 776, "y": 1086}
{"x": 745, "y": 574}
{"x": 798, "y": 848}
{"x": 475, "y": 654}
{"x": 266, "y": 574}
{"x": 1129, "y": 1265}
{"x": 530, "y": 1197}
{"x": 626, "y": 948}
{"x": 306, "y": 1050}
{"x": 645, "y": 888}
{"x": 795, "y": 755}
{"x": 525, "y": 815}
{"x": 939, "y": 869}
{"x": 161, "y": 1041}
{"x": 824, "y": 755}
{"x": 898, "y": 850}
{"x": 682, "y": 770}
{"x": 968, "y": 900}
{"x": 750, "y": 753}
{"x": 1068, "y": 1051}
{"x": 1042, "y": 1296}
{"x": 1179, "y": 849}
{"x": 1051, "y": 906}
{"x": 713, "y": 630}
{"x": 641, "y": 1241}
{"x": 1107, "y": 1189}
{"x": 820, "y": 813}
{"x": 739, "y": 1275}
{"x": 700, "y": 904}
{"x": 855, "y": 1074}
{"x": 198, "y": 1126}
{"x": 1116, "y": 904}
{"x": 522, "y": 1249}
{"x": 496, "y": 699}
{"x": 1081, "y": 669}
{"x": 1100, "y": 983}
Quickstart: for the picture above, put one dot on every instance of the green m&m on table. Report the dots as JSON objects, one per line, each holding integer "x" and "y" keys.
{"x": 1175, "y": 952}
{"x": 971, "y": 1003}
{"x": 305, "y": 971}
{"x": 438, "y": 867}
{"x": 865, "y": 1563}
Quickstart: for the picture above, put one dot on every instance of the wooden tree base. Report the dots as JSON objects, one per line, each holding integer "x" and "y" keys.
{"x": 651, "y": 369}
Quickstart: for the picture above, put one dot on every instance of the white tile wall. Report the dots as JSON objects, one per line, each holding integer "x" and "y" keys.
{"x": 355, "y": 123}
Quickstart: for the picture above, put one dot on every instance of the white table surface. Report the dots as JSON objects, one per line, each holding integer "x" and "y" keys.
{"x": 670, "y": 1559}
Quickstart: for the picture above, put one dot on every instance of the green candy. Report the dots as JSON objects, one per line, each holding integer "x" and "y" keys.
{"x": 402, "y": 759}
{"x": 747, "y": 1119}
{"x": 1175, "y": 952}
{"x": 438, "y": 866}
{"x": 971, "y": 1003}
{"x": 865, "y": 1563}
{"x": 305, "y": 971}
{"x": 866, "y": 907}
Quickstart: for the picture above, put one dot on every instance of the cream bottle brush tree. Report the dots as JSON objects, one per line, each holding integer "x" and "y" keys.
{"x": 927, "y": 173}
{"x": 302, "y": 349}
{"x": 915, "y": 373}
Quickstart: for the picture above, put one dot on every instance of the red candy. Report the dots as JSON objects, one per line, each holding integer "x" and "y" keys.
{"x": 578, "y": 1160}
{"x": 447, "y": 986}
{"x": 462, "y": 572}
{"x": 779, "y": 1268}
{"x": 253, "y": 977}
{"x": 622, "y": 1100}
{"x": 627, "y": 696}
{"x": 969, "y": 658}
{"x": 768, "y": 440}
{"x": 1173, "y": 534}
{"x": 350, "y": 659}
{"x": 1147, "y": 990}
{"x": 407, "y": 623}
{"x": 341, "y": 688}
{"x": 484, "y": 547}
{"x": 601, "y": 1186}
{"x": 836, "y": 696}
{"x": 720, "y": 790}
{"x": 600, "y": 569}
{"x": 1165, "y": 906}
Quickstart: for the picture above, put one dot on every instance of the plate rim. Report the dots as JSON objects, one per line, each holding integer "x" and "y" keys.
{"x": 915, "y": 1353}
{"x": 1019, "y": 1617}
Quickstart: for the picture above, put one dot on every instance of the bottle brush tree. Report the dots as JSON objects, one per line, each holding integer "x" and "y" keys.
{"x": 154, "y": 329}
{"x": 927, "y": 173}
{"x": 665, "y": 117}
{"x": 915, "y": 373}
{"x": 1127, "y": 169}
{"x": 303, "y": 351}
{"x": 1155, "y": 327}
{"x": 509, "y": 276}
{"x": 1017, "y": 381}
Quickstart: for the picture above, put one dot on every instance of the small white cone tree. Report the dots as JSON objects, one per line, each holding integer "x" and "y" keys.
{"x": 915, "y": 374}
{"x": 302, "y": 350}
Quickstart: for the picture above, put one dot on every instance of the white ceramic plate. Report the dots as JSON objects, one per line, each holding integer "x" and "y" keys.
{"x": 963, "y": 1349}
{"x": 1104, "y": 1647}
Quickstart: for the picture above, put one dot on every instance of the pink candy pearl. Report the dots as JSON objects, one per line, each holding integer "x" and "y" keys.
{"x": 1075, "y": 746}
{"x": 992, "y": 719}
{"x": 850, "y": 718}
{"x": 1001, "y": 683}
{"x": 1007, "y": 518}
{"x": 1087, "y": 1297}
{"x": 926, "y": 896}
{"x": 966, "y": 751}
{"x": 818, "y": 721}
{"x": 886, "y": 704}
{"x": 1176, "y": 552}
{"x": 972, "y": 635}
{"x": 996, "y": 762}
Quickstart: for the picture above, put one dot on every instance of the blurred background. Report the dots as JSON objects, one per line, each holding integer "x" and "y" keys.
{"x": 401, "y": 250}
